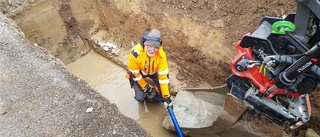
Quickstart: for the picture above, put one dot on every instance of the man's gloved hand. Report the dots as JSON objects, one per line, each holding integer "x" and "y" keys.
{"x": 150, "y": 93}
{"x": 168, "y": 102}
{"x": 148, "y": 89}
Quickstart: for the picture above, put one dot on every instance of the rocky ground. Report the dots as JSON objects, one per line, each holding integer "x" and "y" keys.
{"x": 40, "y": 97}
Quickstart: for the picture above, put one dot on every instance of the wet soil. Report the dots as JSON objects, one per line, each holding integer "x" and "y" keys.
{"x": 207, "y": 61}
{"x": 199, "y": 35}
{"x": 41, "y": 97}
{"x": 107, "y": 79}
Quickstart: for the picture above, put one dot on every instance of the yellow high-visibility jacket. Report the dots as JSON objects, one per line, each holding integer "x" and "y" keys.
{"x": 140, "y": 63}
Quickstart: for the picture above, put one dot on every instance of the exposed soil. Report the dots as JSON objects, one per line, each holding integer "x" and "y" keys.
{"x": 199, "y": 35}
{"x": 234, "y": 18}
{"x": 193, "y": 65}
{"x": 41, "y": 97}
{"x": 238, "y": 18}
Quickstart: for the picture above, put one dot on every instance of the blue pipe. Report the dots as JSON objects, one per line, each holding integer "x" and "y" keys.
{"x": 174, "y": 121}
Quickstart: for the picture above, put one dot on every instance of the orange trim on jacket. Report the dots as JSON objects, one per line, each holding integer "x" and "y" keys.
{"x": 139, "y": 62}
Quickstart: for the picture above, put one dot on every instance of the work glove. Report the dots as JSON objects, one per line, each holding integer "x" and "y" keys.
{"x": 168, "y": 102}
{"x": 150, "y": 93}
{"x": 148, "y": 89}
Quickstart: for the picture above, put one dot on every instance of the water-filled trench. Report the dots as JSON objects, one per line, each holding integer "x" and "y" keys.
{"x": 108, "y": 79}
{"x": 45, "y": 25}
{"x": 59, "y": 26}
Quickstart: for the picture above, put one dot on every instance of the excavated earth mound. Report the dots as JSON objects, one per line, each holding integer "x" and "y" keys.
{"x": 40, "y": 97}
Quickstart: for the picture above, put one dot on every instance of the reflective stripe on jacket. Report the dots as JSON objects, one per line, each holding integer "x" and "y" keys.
{"x": 139, "y": 62}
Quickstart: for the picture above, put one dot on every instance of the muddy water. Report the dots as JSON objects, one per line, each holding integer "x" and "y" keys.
{"x": 108, "y": 79}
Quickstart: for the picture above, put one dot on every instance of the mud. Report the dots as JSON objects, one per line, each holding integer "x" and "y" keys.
{"x": 40, "y": 97}
{"x": 199, "y": 35}
{"x": 107, "y": 79}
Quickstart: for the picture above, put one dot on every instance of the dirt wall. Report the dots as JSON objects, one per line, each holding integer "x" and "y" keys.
{"x": 199, "y": 35}
{"x": 40, "y": 97}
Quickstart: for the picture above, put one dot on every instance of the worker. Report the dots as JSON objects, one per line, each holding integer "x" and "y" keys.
{"x": 148, "y": 61}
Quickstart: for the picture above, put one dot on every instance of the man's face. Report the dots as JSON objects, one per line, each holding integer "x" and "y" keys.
{"x": 151, "y": 50}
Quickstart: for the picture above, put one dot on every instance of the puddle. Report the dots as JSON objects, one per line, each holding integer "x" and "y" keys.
{"x": 109, "y": 80}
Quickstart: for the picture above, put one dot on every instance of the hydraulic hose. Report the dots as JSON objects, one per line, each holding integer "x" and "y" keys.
{"x": 315, "y": 70}
{"x": 302, "y": 65}
{"x": 174, "y": 121}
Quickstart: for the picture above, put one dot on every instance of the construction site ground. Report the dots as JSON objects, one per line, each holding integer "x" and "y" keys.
{"x": 198, "y": 35}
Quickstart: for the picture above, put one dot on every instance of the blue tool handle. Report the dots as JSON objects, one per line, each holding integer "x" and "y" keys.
{"x": 175, "y": 122}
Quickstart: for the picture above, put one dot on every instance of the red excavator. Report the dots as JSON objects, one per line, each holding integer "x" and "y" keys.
{"x": 277, "y": 67}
